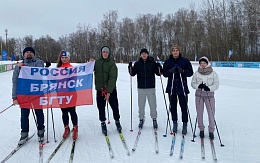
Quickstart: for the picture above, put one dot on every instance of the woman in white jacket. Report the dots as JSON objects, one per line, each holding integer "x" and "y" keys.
{"x": 205, "y": 81}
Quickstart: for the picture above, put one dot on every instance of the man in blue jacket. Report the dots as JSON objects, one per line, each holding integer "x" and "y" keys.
{"x": 177, "y": 69}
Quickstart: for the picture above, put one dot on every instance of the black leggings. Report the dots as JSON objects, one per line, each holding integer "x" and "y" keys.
{"x": 73, "y": 115}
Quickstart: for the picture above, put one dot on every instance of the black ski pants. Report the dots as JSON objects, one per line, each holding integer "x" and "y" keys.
{"x": 113, "y": 102}
{"x": 183, "y": 101}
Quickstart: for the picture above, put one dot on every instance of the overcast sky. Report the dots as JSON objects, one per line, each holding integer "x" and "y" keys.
{"x": 60, "y": 17}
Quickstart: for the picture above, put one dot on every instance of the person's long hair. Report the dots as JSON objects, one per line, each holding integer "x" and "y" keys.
{"x": 59, "y": 62}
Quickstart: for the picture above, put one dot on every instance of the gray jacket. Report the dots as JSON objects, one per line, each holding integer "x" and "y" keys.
{"x": 34, "y": 62}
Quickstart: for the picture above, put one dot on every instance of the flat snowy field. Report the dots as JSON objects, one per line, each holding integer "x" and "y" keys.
{"x": 237, "y": 117}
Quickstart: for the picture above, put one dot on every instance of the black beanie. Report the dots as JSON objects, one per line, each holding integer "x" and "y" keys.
{"x": 144, "y": 50}
{"x": 29, "y": 49}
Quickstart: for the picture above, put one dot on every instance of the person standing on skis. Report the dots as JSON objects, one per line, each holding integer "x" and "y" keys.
{"x": 106, "y": 73}
{"x": 31, "y": 61}
{"x": 205, "y": 81}
{"x": 63, "y": 62}
{"x": 145, "y": 69}
{"x": 177, "y": 68}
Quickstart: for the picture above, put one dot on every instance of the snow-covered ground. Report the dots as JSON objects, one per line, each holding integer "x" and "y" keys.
{"x": 237, "y": 117}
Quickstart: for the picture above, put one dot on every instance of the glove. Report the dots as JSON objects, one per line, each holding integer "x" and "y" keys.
{"x": 48, "y": 64}
{"x": 201, "y": 86}
{"x": 173, "y": 70}
{"x": 159, "y": 66}
{"x": 130, "y": 64}
{"x": 206, "y": 88}
{"x": 178, "y": 70}
{"x": 104, "y": 90}
{"x": 130, "y": 68}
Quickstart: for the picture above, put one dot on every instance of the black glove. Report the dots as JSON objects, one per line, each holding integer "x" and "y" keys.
{"x": 130, "y": 68}
{"x": 201, "y": 86}
{"x": 206, "y": 88}
{"x": 130, "y": 64}
{"x": 159, "y": 66}
{"x": 173, "y": 70}
{"x": 178, "y": 70}
{"x": 47, "y": 63}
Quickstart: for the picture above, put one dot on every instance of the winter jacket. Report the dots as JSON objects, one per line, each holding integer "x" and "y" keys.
{"x": 66, "y": 65}
{"x": 34, "y": 62}
{"x": 211, "y": 80}
{"x": 186, "y": 66}
{"x": 145, "y": 71}
{"x": 105, "y": 74}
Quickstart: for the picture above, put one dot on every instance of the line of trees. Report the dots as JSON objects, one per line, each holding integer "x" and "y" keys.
{"x": 214, "y": 29}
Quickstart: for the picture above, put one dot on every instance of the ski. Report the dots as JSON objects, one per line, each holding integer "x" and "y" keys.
{"x": 156, "y": 141}
{"x": 213, "y": 150}
{"x": 182, "y": 146}
{"x": 124, "y": 143}
{"x": 137, "y": 139}
{"x": 202, "y": 148}
{"x": 16, "y": 149}
{"x": 57, "y": 148}
{"x": 111, "y": 153}
{"x": 72, "y": 151}
{"x": 41, "y": 144}
{"x": 173, "y": 143}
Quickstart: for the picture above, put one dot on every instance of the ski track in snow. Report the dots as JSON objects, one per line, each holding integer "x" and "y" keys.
{"x": 237, "y": 117}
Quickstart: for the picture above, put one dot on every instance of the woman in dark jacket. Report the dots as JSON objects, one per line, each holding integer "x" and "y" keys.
{"x": 177, "y": 69}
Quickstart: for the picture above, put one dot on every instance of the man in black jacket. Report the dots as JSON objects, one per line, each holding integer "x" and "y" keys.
{"x": 177, "y": 69}
{"x": 145, "y": 69}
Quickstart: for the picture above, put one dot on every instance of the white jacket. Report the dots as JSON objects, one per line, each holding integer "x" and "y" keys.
{"x": 211, "y": 80}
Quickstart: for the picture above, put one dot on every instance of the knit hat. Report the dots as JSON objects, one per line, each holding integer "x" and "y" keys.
{"x": 176, "y": 47}
{"x": 105, "y": 49}
{"x": 144, "y": 50}
{"x": 205, "y": 59}
{"x": 64, "y": 54}
{"x": 28, "y": 49}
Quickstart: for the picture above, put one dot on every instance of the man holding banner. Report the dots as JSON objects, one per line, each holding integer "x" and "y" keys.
{"x": 31, "y": 61}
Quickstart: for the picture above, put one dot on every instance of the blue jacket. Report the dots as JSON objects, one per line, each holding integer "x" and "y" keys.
{"x": 186, "y": 66}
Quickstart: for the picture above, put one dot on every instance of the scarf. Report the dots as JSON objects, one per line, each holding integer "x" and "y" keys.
{"x": 205, "y": 71}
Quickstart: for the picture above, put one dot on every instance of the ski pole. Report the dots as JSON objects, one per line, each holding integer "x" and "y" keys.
{"x": 35, "y": 118}
{"x": 108, "y": 114}
{"x": 170, "y": 99}
{"x": 32, "y": 108}
{"x": 196, "y": 121}
{"x": 222, "y": 145}
{"x": 47, "y": 125}
{"x": 131, "y": 130}
{"x": 186, "y": 102}
{"x": 6, "y": 108}
{"x": 194, "y": 130}
{"x": 53, "y": 128}
{"x": 167, "y": 111}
